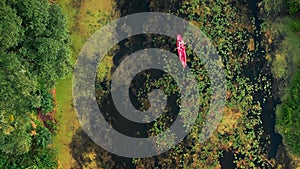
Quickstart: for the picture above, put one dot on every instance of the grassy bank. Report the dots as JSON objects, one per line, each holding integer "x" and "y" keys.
{"x": 283, "y": 36}
{"x": 84, "y": 18}
{"x": 67, "y": 121}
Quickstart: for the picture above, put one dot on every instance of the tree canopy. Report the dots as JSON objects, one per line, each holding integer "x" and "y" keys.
{"x": 34, "y": 53}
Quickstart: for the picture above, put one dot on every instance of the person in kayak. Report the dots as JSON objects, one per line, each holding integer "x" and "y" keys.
{"x": 181, "y": 50}
{"x": 181, "y": 44}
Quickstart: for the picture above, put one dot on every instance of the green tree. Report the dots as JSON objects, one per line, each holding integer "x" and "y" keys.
{"x": 288, "y": 119}
{"x": 294, "y": 6}
{"x": 34, "y": 53}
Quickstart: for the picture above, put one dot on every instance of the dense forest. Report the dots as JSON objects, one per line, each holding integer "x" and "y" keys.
{"x": 34, "y": 54}
{"x": 259, "y": 46}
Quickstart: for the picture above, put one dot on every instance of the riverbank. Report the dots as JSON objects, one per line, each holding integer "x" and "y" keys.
{"x": 282, "y": 42}
{"x": 84, "y": 18}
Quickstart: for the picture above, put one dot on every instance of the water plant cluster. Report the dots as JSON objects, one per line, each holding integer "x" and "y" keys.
{"x": 232, "y": 31}
{"x": 231, "y": 28}
{"x": 235, "y": 34}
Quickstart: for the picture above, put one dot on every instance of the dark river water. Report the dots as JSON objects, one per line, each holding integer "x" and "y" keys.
{"x": 259, "y": 65}
{"x": 268, "y": 115}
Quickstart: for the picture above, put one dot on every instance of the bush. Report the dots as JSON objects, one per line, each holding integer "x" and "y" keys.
{"x": 288, "y": 116}
{"x": 52, "y": 126}
{"x": 279, "y": 66}
{"x": 37, "y": 159}
{"x": 43, "y": 138}
{"x": 273, "y": 7}
{"x": 294, "y": 6}
{"x": 295, "y": 25}
{"x": 47, "y": 104}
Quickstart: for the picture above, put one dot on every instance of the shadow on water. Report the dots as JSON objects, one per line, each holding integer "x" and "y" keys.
{"x": 127, "y": 7}
{"x": 81, "y": 144}
{"x": 87, "y": 154}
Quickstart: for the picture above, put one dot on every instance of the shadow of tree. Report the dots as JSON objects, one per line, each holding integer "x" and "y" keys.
{"x": 89, "y": 155}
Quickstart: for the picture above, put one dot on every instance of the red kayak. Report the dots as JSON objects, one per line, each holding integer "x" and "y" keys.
{"x": 181, "y": 50}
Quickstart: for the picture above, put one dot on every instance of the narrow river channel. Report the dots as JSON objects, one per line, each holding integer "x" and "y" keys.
{"x": 258, "y": 66}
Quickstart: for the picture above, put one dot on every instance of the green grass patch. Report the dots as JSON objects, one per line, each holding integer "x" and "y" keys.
{"x": 80, "y": 25}
{"x": 65, "y": 115}
{"x": 77, "y": 43}
{"x": 69, "y": 11}
{"x": 67, "y": 122}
